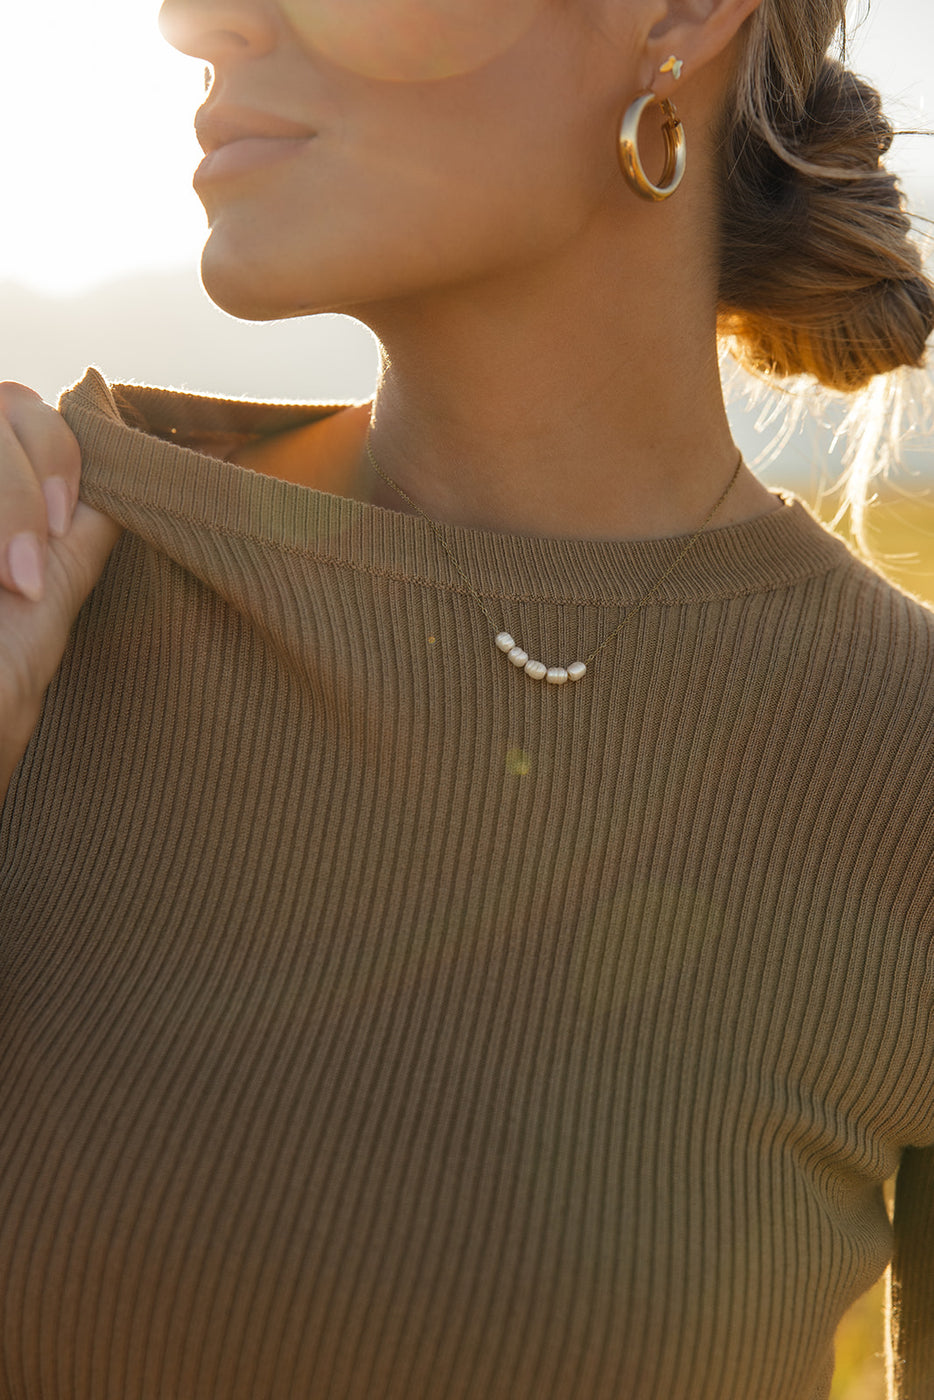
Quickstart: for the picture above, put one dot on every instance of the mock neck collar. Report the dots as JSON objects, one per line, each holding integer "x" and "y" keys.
{"x": 134, "y": 465}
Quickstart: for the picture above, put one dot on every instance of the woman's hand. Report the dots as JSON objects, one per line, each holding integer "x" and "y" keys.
{"x": 52, "y": 552}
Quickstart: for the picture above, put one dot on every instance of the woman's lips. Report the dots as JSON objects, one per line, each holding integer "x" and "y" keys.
{"x": 249, "y": 153}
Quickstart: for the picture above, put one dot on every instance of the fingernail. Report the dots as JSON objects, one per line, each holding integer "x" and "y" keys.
{"x": 57, "y": 504}
{"x": 25, "y": 558}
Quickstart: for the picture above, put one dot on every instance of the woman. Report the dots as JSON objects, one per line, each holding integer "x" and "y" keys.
{"x": 382, "y": 1016}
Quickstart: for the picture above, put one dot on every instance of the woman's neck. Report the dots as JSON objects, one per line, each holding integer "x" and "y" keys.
{"x": 553, "y": 401}
{"x": 553, "y": 405}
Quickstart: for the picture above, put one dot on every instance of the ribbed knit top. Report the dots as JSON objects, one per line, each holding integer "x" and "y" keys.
{"x": 380, "y": 1024}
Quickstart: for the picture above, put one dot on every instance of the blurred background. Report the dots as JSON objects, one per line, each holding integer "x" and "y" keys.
{"x": 99, "y": 254}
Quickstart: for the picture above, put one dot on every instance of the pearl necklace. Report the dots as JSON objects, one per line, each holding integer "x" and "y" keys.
{"x": 537, "y": 670}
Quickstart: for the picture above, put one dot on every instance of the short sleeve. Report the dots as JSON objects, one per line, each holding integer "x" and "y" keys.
{"x": 911, "y": 1317}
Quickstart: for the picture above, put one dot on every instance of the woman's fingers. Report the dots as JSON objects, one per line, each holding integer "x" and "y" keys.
{"x": 53, "y": 549}
{"x": 33, "y": 634}
{"x": 77, "y": 561}
{"x": 40, "y": 470}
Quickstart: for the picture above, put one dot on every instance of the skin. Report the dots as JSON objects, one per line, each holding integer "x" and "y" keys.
{"x": 549, "y": 339}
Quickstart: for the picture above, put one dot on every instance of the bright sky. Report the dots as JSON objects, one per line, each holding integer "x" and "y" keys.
{"x": 99, "y": 148}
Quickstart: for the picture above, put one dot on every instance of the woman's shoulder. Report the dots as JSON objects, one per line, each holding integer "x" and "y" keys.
{"x": 855, "y": 595}
{"x": 886, "y": 611}
{"x": 877, "y": 657}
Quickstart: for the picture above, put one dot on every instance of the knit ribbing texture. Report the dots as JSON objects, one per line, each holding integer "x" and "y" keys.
{"x": 376, "y": 1025}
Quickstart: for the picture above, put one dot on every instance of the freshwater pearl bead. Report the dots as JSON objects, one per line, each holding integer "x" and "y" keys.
{"x": 537, "y": 670}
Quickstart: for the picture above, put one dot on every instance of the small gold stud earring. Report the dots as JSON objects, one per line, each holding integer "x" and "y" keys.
{"x": 672, "y": 65}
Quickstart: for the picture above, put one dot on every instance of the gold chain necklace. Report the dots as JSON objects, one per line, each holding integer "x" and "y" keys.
{"x": 537, "y": 670}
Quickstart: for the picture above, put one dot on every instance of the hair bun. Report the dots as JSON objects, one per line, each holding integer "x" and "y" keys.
{"x": 820, "y": 274}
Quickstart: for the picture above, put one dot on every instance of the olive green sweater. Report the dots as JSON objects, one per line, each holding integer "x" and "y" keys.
{"x": 380, "y": 1024}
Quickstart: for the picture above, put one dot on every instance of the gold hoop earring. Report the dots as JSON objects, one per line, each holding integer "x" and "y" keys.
{"x": 675, "y": 149}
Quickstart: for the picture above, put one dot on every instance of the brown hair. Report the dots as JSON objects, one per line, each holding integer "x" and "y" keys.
{"x": 819, "y": 274}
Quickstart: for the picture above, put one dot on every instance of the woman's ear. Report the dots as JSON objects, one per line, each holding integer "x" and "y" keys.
{"x": 693, "y": 32}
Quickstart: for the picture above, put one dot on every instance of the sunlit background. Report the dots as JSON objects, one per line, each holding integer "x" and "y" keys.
{"x": 100, "y": 242}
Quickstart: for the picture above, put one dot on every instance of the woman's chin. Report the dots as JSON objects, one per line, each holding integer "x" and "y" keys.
{"x": 262, "y": 288}
{"x": 247, "y": 292}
